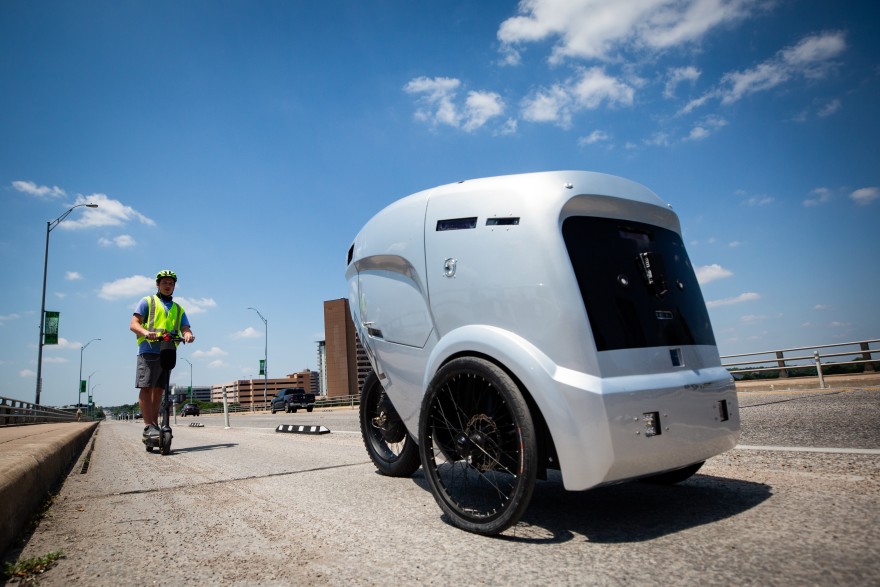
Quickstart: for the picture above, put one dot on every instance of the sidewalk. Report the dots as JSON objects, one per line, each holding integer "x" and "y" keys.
{"x": 33, "y": 459}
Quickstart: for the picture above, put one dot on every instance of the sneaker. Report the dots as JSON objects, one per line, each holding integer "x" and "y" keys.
{"x": 151, "y": 431}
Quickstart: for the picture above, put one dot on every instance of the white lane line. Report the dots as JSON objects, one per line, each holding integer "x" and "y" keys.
{"x": 848, "y": 451}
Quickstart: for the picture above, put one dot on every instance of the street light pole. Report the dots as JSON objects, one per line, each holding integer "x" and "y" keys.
{"x": 190, "y": 380}
{"x": 49, "y": 227}
{"x": 265, "y": 358}
{"x": 91, "y": 403}
{"x": 79, "y": 383}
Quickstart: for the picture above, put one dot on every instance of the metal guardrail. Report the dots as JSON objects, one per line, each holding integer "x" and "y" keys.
{"x": 15, "y": 412}
{"x": 785, "y": 363}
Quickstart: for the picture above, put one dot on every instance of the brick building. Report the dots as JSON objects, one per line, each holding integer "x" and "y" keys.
{"x": 343, "y": 359}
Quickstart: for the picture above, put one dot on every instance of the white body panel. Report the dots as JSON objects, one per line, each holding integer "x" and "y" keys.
{"x": 506, "y": 290}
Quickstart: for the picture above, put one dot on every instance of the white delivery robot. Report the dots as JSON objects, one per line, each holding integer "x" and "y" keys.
{"x": 529, "y": 322}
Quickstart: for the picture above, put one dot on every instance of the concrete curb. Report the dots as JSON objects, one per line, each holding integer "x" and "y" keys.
{"x": 33, "y": 459}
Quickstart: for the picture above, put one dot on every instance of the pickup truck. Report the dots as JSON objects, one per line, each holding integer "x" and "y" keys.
{"x": 291, "y": 399}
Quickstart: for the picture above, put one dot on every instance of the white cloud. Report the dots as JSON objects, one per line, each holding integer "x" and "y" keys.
{"x": 810, "y": 58}
{"x": 108, "y": 213}
{"x": 705, "y": 128}
{"x": 760, "y": 200}
{"x": 41, "y": 191}
{"x": 595, "y": 87}
{"x": 195, "y": 305}
{"x": 829, "y": 108}
{"x": 819, "y": 196}
{"x": 821, "y": 307}
{"x": 127, "y": 287}
{"x": 865, "y": 196}
{"x": 676, "y": 76}
{"x": 658, "y": 139}
{"x": 216, "y": 364}
{"x": 437, "y": 106}
{"x": 72, "y": 276}
{"x": 753, "y": 318}
{"x": 24, "y": 373}
{"x": 509, "y": 127}
{"x": 588, "y": 90}
{"x": 708, "y": 273}
{"x": 248, "y": 332}
{"x": 56, "y": 360}
{"x": 599, "y": 29}
{"x": 479, "y": 108}
{"x": 744, "y": 297}
{"x": 122, "y": 241}
{"x": 63, "y": 344}
{"x": 548, "y": 105}
{"x": 213, "y": 352}
{"x": 7, "y": 317}
{"x": 597, "y": 136}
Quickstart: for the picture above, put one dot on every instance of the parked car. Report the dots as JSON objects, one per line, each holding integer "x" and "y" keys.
{"x": 291, "y": 399}
{"x": 190, "y": 410}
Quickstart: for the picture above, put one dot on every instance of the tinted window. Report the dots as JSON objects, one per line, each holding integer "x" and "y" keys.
{"x": 637, "y": 283}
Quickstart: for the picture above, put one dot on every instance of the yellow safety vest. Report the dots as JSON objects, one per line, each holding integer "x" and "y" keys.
{"x": 159, "y": 320}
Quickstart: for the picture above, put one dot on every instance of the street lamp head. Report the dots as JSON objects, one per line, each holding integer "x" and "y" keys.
{"x": 91, "y": 205}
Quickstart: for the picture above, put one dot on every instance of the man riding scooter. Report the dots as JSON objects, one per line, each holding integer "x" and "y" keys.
{"x": 155, "y": 316}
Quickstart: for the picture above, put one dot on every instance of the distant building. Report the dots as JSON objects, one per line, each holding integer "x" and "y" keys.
{"x": 342, "y": 367}
{"x": 257, "y": 393}
{"x": 344, "y": 360}
{"x": 202, "y": 393}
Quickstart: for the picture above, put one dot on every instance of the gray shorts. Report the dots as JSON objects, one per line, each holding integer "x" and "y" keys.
{"x": 150, "y": 372}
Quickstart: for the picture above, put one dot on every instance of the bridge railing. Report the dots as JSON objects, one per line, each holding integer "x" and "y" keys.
{"x": 784, "y": 361}
{"x": 14, "y": 412}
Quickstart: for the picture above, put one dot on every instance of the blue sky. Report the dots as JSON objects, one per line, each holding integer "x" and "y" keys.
{"x": 244, "y": 143}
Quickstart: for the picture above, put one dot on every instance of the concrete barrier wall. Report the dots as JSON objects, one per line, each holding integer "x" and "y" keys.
{"x": 33, "y": 461}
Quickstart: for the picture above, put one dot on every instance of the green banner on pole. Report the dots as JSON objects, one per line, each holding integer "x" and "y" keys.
{"x": 50, "y": 332}
{"x": 82, "y": 387}
{"x": 262, "y": 366}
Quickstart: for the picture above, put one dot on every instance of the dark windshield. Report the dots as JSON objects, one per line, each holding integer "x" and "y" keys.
{"x": 637, "y": 284}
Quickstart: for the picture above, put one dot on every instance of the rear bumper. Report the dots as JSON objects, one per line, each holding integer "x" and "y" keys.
{"x": 600, "y": 434}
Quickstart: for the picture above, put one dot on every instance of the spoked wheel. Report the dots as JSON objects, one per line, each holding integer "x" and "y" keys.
{"x": 390, "y": 447}
{"x": 478, "y": 446}
{"x": 165, "y": 443}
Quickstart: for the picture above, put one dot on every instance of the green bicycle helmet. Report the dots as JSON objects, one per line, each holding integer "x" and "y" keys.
{"x": 166, "y": 273}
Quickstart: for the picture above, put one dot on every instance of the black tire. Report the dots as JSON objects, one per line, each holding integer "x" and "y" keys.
{"x": 478, "y": 446}
{"x": 293, "y": 409}
{"x": 673, "y": 477}
{"x": 309, "y": 409}
{"x": 273, "y": 409}
{"x": 389, "y": 445}
{"x": 165, "y": 443}
{"x": 149, "y": 448}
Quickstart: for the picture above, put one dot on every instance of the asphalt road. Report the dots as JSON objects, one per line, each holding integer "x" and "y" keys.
{"x": 795, "y": 504}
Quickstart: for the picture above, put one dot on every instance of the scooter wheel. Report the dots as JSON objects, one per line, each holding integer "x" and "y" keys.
{"x": 149, "y": 448}
{"x": 165, "y": 443}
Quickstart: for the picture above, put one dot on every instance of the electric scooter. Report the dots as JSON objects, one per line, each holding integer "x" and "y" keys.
{"x": 168, "y": 360}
